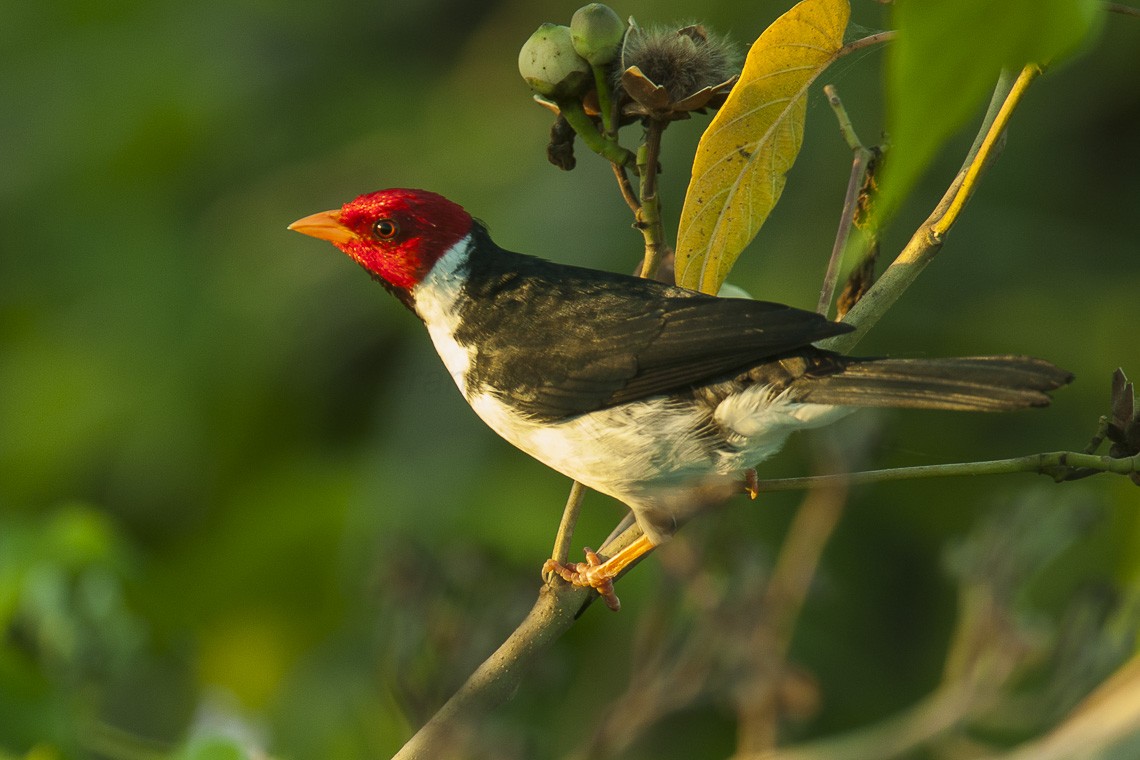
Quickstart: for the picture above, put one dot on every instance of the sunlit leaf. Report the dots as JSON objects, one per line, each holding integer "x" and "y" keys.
{"x": 944, "y": 64}
{"x": 743, "y": 156}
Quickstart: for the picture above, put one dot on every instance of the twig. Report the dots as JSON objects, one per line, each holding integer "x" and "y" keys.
{"x": 924, "y": 245}
{"x": 576, "y": 117}
{"x": 934, "y": 715}
{"x": 569, "y": 521}
{"x": 1105, "y": 717}
{"x": 986, "y": 151}
{"x": 626, "y": 188}
{"x": 1126, "y": 10}
{"x": 859, "y": 164}
{"x": 1055, "y": 464}
{"x": 865, "y": 42}
{"x": 758, "y": 701}
{"x": 496, "y": 679}
{"x": 649, "y": 215}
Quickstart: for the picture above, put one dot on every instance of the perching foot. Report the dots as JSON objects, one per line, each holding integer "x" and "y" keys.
{"x": 593, "y": 573}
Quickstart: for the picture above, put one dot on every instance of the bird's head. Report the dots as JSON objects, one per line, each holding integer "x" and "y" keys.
{"x": 397, "y": 235}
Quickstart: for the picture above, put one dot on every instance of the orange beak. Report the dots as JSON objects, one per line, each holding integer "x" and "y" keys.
{"x": 326, "y": 226}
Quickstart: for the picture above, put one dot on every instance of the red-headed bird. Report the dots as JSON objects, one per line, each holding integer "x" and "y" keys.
{"x": 661, "y": 397}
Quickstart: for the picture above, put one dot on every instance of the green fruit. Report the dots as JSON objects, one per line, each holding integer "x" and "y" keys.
{"x": 597, "y": 33}
{"x": 550, "y": 66}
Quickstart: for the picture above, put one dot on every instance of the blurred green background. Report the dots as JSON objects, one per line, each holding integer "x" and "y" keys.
{"x": 239, "y": 495}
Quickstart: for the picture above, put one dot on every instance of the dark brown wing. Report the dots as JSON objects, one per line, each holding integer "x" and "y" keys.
{"x": 556, "y": 341}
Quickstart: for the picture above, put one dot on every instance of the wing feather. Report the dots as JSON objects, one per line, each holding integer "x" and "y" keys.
{"x": 556, "y": 341}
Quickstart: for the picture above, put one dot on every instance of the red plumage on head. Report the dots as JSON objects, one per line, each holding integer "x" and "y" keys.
{"x": 399, "y": 234}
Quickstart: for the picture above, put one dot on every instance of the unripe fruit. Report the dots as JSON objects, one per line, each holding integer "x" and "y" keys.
{"x": 550, "y": 66}
{"x": 597, "y": 33}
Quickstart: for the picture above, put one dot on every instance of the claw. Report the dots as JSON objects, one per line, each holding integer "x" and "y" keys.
{"x": 593, "y": 573}
{"x": 599, "y": 575}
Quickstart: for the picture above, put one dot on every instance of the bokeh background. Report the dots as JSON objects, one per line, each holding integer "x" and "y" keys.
{"x": 241, "y": 503}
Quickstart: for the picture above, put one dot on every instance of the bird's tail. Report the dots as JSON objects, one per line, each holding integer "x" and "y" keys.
{"x": 977, "y": 383}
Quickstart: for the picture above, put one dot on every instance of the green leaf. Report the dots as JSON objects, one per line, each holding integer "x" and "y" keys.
{"x": 211, "y": 748}
{"x": 744, "y": 155}
{"x": 944, "y": 64}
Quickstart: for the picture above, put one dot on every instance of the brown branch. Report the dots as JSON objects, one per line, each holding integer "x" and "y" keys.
{"x": 494, "y": 681}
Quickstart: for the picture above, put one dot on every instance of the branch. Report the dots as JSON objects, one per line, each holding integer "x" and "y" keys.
{"x": 860, "y": 163}
{"x": 865, "y": 42}
{"x": 593, "y": 139}
{"x": 1101, "y": 721}
{"x": 987, "y": 151}
{"x": 649, "y": 215}
{"x": 493, "y": 682}
{"x": 1126, "y": 10}
{"x": 925, "y": 243}
{"x": 757, "y": 699}
{"x": 1059, "y": 465}
{"x": 569, "y": 521}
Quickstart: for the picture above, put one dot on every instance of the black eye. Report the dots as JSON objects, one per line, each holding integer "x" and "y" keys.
{"x": 384, "y": 229}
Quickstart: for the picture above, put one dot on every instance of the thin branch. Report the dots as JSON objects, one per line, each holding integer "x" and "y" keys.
{"x": 569, "y": 521}
{"x": 859, "y": 164}
{"x": 576, "y": 117}
{"x": 934, "y": 715}
{"x": 757, "y": 700}
{"x": 1126, "y": 10}
{"x": 494, "y": 681}
{"x": 649, "y": 215}
{"x": 1056, "y": 464}
{"x": 865, "y": 42}
{"x": 1102, "y": 720}
{"x": 626, "y": 188}
{"x": 923, "y": 245}
{"x": 986, "y": 151}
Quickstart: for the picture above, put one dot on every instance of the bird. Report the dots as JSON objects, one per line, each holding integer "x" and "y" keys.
{"x": 661, "y": 397}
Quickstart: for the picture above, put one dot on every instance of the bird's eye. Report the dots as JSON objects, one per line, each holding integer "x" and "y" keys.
{"x": 384, "y": 229}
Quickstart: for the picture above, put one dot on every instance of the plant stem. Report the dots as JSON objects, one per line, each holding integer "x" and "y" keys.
{"x": 584, "y": 126}
{"x": 859, "y": 164}
{"x": 569, "y": 521}
{"x": 985, "y": 151}
{"x": 626, "y": 188}
{"x": 605, "y": 102}
{"x": 757, "y": 700}
{"x": 1126, "y": 10}
{"x": 649, "y": 215}
{"x": 1055, "y": 464}
{"x": 922, "y": 247}
{"x": 496, "y": 679}
{"x": 865, "y": 42}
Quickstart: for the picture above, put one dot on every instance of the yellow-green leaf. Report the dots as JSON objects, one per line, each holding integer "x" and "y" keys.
{"x": 744, "y": 155}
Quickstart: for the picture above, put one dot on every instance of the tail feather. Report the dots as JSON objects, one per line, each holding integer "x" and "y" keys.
{"x": 980, "y": 383}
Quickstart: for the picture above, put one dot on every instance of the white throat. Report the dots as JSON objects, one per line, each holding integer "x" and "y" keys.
{"x": 436, "y": 302}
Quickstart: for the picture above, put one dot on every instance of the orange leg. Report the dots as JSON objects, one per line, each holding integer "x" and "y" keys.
{"x": 599, "y": 575}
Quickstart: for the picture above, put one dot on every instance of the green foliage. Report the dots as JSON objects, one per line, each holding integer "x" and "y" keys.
{"x": 945, "y": 62}
{"x": 211, "y": 749}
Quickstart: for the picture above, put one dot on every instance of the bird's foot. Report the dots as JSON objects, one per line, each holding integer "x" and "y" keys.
{"x": 593, "y": 573}
{"x": 751, "y": 483}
